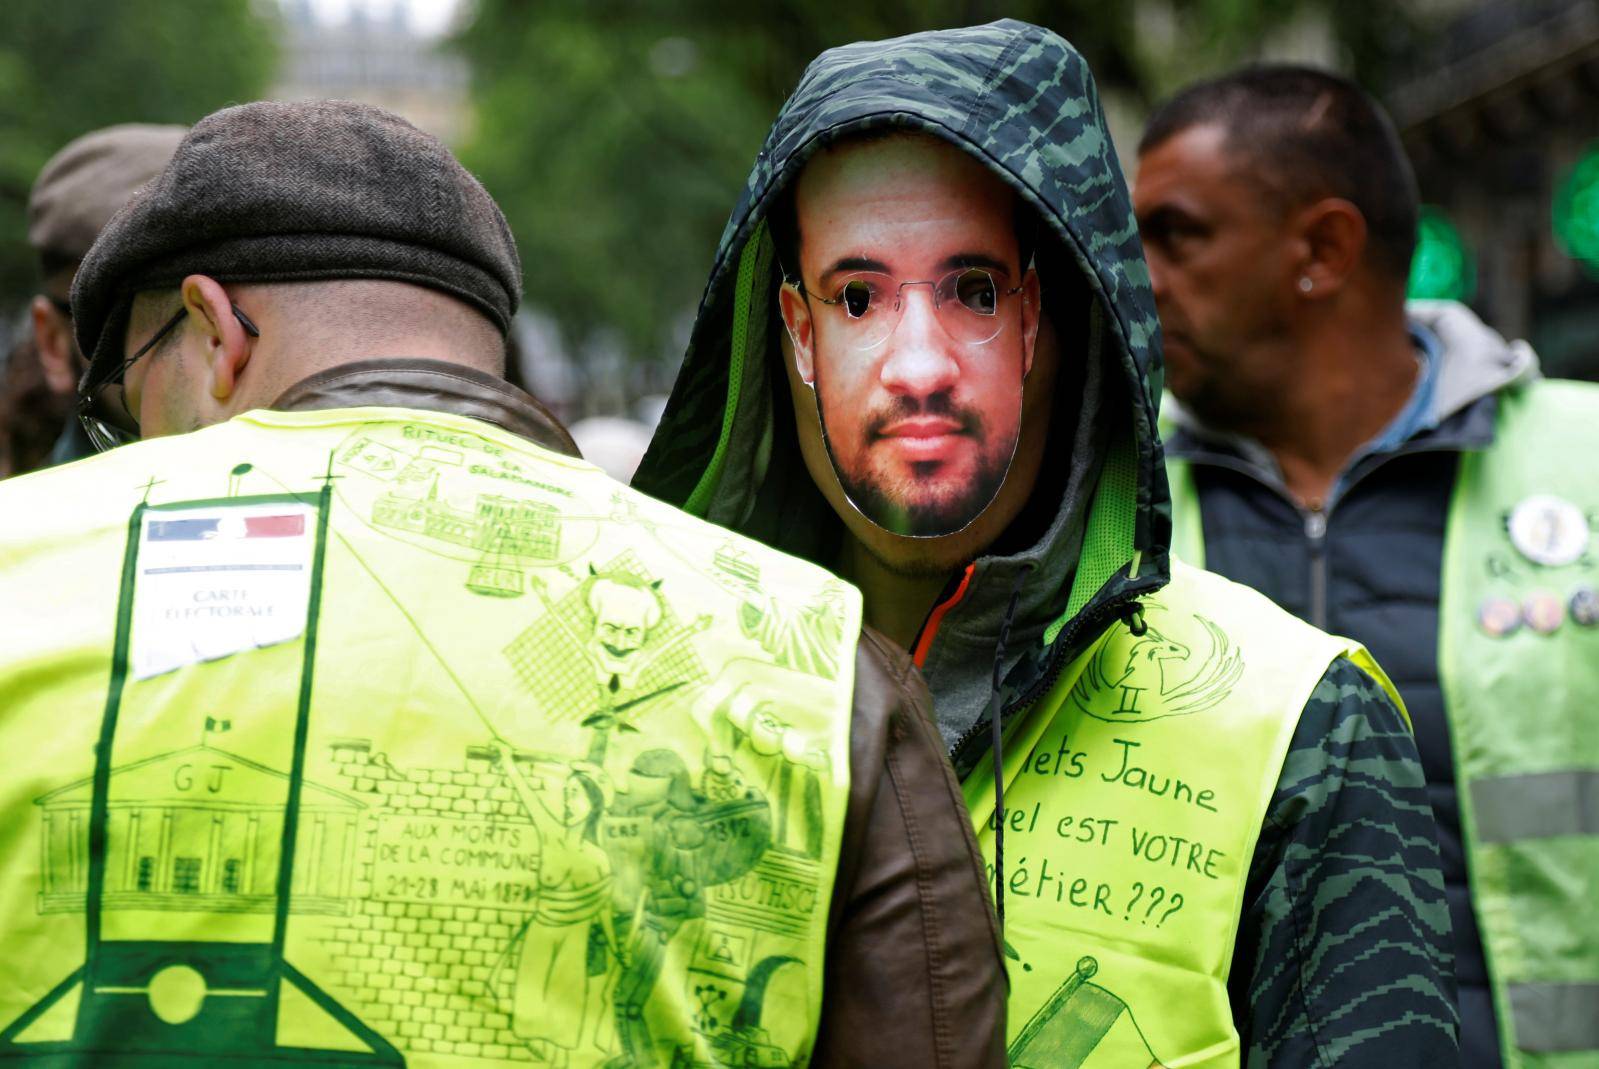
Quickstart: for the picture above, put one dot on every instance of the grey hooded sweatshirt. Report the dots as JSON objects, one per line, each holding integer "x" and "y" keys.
{"x": 1349, "y": 811}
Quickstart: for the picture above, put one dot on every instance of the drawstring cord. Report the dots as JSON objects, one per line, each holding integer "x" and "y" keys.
{"x": 1132, "y": 616}
{"x": 995, "y": 701}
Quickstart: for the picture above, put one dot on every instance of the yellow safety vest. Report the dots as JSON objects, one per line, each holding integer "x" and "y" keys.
{"x": 381, "y": 737}
{"x": 1519, "y": 550}
{"x": 1135, "y": 792}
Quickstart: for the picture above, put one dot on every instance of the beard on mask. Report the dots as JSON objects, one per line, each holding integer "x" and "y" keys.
{"x": 902, "y": 503}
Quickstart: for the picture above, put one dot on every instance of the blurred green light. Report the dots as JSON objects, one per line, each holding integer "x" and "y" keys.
{"x": 1576, "y": 211}
{"x": 1442, "y": 268}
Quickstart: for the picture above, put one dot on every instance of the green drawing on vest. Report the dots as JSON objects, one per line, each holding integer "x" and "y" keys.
{"x": 1190, "y": 665}
{"x": 610, "y": 844}
{"x": 517, "y": 530}
{"x": 505, "y": 535}
{"x": 740, "y": 1039}
{"x": 806, "y": 640}
{"x": 193, "y": 830}
{"x": 682, "y": 843}
{"x": 204, "y": 831}
{"x": 1082, "y": 1026}
{"x": 620, "y": 871}
{"x": 582, "y": 885}
{"x": 601, "y": 880}
{"x": 606, "y": 646}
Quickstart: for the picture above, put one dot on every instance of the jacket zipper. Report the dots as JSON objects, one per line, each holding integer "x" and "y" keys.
{"x": 1313, "y": 521}
{"x": 1315, "y": 518}
{"x": 1316, "y": 540}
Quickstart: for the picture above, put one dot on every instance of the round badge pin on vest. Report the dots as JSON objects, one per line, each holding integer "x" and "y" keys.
{"x": 1549, "y": 530}
{"x": 1498, "y": 617}
{"x": 1543, "y": 612}
{"x": 1585, "y": 607}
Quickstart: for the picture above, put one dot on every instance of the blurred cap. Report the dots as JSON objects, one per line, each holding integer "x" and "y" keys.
{"x": 84, "y": 184}
{"x": 300, "y": 192}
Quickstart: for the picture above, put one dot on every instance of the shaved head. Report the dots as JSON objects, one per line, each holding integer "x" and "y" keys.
{"x": 305, "y": 327}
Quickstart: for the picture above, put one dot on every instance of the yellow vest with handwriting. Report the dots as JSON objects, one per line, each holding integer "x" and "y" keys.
{"x": 378, "y": 738}
{"x": 1135, "y": 792}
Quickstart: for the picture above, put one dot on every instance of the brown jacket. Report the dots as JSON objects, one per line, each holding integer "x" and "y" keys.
{"x": 914, "y": 971}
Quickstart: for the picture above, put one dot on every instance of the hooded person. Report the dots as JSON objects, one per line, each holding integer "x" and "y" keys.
{"x": 350, "y": 660}
{"x": 927, "y": 358}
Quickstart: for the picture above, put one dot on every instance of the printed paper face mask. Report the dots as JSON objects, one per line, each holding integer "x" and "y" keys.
{"x": 918, "y": 386}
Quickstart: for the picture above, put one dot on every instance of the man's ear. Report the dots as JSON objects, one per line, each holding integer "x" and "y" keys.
{"x": 52, "y": 338}
{"x": 1332, "y": 241}
{"x": 797, "y": 319}
{"x": 1031, "y": 297}
{"x": 227, "y": 348}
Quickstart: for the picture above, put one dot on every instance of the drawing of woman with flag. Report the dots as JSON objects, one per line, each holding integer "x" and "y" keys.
{"x": 555, "y": 996}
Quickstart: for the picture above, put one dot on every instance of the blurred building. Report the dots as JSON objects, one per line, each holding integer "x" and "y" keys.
{"x": 384, "y": 53}
{"x": 1501, "y": 117}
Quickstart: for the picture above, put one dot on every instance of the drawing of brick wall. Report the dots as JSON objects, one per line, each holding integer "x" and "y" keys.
{"x": 433, "y": 977}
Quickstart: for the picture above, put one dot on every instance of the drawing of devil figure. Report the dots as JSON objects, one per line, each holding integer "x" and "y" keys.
{"x": 606, "y": 650}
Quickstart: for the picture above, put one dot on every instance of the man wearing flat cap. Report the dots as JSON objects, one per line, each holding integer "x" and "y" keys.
{"x": 76, "y": 193}
{"x": 335, "y": 688}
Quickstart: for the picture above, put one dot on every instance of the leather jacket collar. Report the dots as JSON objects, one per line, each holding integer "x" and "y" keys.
{"x": 430, "y": 385}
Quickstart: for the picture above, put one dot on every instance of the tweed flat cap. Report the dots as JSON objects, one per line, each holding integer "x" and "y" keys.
{"x": 84, "y": 184}
{"x": 294, "y": 192}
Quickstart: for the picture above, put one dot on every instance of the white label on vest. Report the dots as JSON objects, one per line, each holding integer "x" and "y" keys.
{"x": 218, "y": 580}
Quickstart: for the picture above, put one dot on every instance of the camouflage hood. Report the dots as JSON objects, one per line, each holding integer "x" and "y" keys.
{"x": 1022, "y": 101}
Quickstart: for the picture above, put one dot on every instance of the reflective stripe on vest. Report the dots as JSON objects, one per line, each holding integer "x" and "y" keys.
{"x": 386, "y": 738}
{"x": 1524, "y": 725}
{"x": 1521, "y": 721}
{"x": 1135, "y": 793}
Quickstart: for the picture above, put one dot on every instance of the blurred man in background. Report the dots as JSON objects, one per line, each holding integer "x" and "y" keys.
{"x": 922, "y": 360}
{"x": 352, "y": 636}
{"x": 1404, "y": 477}
{"x": 76, "y": 193}
{"x": 31, "y": 414}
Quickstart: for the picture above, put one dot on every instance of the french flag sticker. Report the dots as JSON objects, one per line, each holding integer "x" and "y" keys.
{"x": 291, "y": 525}
{"x": 217, "y": 580}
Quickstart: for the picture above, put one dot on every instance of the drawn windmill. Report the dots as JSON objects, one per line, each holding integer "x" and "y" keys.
{"x": 498, "y": 573}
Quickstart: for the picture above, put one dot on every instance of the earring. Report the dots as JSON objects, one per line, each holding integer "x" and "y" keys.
{"x": 1305, "y": 284}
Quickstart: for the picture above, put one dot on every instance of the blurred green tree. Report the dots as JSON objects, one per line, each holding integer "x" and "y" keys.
{"x": 71, "y": 66}
{"x": 616, "y": 134}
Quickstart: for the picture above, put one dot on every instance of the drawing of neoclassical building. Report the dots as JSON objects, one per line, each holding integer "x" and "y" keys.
{"x": 197, "y": 830}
